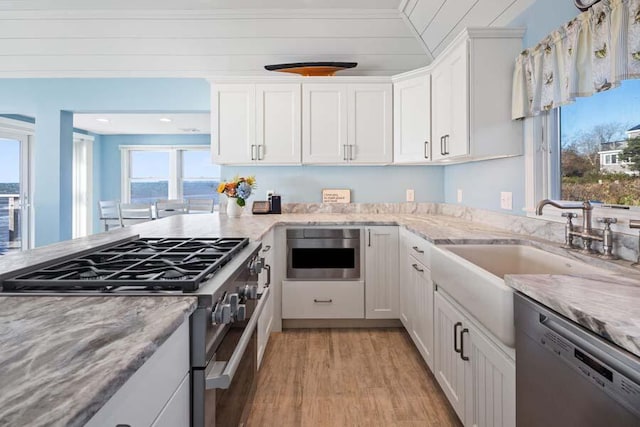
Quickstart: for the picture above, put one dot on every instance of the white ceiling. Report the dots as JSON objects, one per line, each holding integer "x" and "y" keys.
{"x": 208, "y": 38}
{"x": 138, "y": 124}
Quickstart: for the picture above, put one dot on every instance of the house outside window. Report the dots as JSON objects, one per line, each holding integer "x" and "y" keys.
{"x": 151, "y": 173}
{"x": 593, "y": 135}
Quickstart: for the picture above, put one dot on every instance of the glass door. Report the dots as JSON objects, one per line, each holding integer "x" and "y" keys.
{"x": 14, "y": 191}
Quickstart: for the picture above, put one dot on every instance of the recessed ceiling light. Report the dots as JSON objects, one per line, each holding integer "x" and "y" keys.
{"x": 166, "y": 120}
{"x": 101, "y": 120}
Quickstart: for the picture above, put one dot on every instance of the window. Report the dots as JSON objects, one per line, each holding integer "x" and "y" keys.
{"x": 172, "y": 172}
{"x": 598, "y": 137}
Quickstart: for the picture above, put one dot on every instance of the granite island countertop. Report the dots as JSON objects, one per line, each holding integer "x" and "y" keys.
{"x": 62, "y": 358}
{"x": 607, "y": 305}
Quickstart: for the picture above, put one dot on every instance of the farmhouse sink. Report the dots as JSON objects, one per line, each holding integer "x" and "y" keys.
{"x": 474, "y": 276}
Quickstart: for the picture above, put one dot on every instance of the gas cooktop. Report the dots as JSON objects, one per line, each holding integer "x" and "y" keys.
{"x": 141, "y": 264}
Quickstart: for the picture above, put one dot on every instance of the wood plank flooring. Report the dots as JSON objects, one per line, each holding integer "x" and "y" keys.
{"x": 347, "y": 377}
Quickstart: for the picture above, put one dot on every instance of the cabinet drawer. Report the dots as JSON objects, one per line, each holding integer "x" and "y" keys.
{"x": 322, "y": 300}
{"x": 142, "y": 397}
{"x": 418, "y": 248}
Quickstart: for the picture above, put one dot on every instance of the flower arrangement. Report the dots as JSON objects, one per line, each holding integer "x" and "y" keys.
{"x": 238, "y": 188}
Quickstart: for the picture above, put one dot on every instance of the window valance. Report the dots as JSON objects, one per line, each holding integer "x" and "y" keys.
{"x": 591, "y": 53}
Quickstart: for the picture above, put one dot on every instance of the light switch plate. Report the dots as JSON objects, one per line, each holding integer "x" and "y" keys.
{"x": 459, "y": 195}
{"x": 506, "y": 200}
{"x": 410, "y": 195}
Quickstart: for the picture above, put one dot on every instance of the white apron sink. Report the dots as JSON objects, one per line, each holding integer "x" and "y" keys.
{"x": 474, "y": 276}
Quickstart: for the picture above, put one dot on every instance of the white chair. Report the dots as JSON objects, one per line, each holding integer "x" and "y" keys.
{"x": 134, "y": 213}
{"x": 110, "y": 214}
{"x": 200, "y": 206}
{"x": 166, "y": 208}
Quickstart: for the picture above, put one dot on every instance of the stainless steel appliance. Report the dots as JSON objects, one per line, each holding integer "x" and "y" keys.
{"x": 221, "y": 272}
{"x": 568, "y": 376}
{"x": 323, "y": 253}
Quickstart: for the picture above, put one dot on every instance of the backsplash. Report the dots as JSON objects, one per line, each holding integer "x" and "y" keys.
{"x": 625, "y": 245}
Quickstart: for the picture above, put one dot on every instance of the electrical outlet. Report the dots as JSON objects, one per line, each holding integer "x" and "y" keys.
{"x": 410, "y": 195}
{"x": 506, "y": 200}
{"x": 459, "y": 195}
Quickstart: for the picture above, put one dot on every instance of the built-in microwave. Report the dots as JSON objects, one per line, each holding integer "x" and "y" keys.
{"x": 323, "y": 254}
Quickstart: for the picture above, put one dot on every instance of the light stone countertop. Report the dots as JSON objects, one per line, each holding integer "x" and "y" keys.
{"x": 62, "y": 358}
{"x": 606, "y": 305}
{"x": 33, "y": 341}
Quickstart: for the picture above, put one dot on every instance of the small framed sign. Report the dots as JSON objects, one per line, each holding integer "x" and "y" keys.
{"x": 336, "y": 196}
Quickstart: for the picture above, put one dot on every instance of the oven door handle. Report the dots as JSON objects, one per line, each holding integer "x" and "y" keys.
{"x": 221, "y": 373}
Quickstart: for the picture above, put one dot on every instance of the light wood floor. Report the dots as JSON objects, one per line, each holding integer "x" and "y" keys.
{"x": 347, "y": 377}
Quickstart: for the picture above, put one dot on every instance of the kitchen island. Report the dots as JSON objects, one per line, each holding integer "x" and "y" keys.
{"x": 115, "y": 335}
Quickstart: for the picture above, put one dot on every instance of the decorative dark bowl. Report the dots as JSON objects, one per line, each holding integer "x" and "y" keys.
{"x": 311, "y": 68}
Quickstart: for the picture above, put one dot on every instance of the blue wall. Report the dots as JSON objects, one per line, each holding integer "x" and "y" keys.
{"x": 50, "y": 101}
{"x": 482, "y": 182}
{"x": 369, "y": 184}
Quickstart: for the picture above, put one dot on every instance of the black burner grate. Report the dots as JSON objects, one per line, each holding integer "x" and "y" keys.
{"x": 141, "y": 264}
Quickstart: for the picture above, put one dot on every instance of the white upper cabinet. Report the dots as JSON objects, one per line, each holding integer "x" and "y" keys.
{"x": 255, "y": 123}
{"x": 324, "y": 123}
{"x": 346, "y": 123}
{"x": 370, "y": 123}
{"x": 471, "y": 97}
{"x": 233, "y": 124}
{"x": 412, "y": 120}
{"x": 278, "y": 120}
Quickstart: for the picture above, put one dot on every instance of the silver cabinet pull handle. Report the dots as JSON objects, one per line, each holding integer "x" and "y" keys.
{"x": 462, "y": 356}
{"x": 417, "y": 249}
{"x": 253, "y": 151}
{"x": 267, "y": 248}
{"x": 418, "y": 268}
{"x": 369, "y": 238}
{"x": 455, "y": 337}
{"x": 323, "y": 301}
{"x": 351, "y": 150}
{"x": 268, "y": 268}
{"x": 220, "y": 374}
{"x": 446, "y": 144}
{"x": 345, "y": 156}
{"x": 426, "y": 148}
{"x": 260, "y": 152}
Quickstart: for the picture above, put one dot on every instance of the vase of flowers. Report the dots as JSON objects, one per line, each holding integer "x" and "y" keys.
{"x": 238, "y": 190}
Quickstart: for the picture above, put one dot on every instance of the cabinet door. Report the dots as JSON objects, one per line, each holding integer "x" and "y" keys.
{"x": 458, "y": 143}
{"x": 381, "y": 273}
{"x": 422, "y": 324}
{"x": 412, "y": 120}
{"x": 177, "y": 412}
{"x": 450, "y": 368}
{"x": 451, "y": 105}
{"x": 265, "y": 325}
{"x": 492, "y": 383}
{"x": 233, "y": 123}
{"x": 369, "y": 124}
{"x": 278, "y": 121}
{"x": 324, "y": 123}
{"x": 406, "y": 288}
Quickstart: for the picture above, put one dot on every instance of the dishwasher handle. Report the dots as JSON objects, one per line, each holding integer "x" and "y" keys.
{"x": 221, "y": 373}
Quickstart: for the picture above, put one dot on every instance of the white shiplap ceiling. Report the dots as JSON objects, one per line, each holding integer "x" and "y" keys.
{"x": 150, "y": 124}
{"x": 207, "y": 38}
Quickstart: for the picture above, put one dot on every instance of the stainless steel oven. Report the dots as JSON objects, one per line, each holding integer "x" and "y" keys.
{"x": 323, "y": 253}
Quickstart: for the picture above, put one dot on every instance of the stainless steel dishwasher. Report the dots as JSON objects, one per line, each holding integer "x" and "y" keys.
{"x": 568, "y": 376}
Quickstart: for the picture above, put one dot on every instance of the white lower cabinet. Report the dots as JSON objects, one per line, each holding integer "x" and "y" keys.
{"x": 155, "y": 394}
{"x": 421, "y": 288}
{"x": 178, "y": 409}
{"x": 267, "y": 278}
{"x": 265, "y": 326}
{"x": 381, "y": 272}
{"x": 322, "y": 299}
{"x": 477, "y": 377}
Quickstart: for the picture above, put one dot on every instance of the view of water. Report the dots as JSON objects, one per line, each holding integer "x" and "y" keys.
{"x": 149, "y": 192}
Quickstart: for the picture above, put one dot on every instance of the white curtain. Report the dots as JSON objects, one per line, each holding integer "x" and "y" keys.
{"x": 591, "y": 53}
